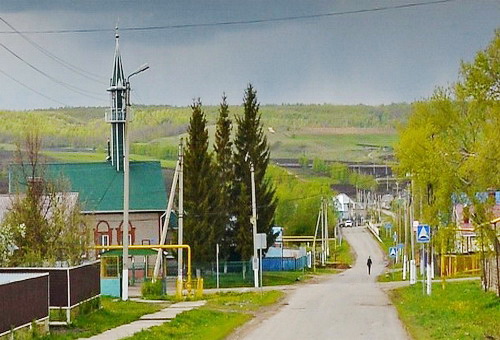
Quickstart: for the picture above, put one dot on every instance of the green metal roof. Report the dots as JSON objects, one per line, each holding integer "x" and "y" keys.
{"x": 100, "y": 186}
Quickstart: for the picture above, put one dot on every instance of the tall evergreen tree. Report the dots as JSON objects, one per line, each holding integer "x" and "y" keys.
{"x": 200, "y": 199}
{"x": 251, "y": 147}
{"x": 225, "y": 175}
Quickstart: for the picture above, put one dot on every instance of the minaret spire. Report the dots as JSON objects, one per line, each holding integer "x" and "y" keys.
{"x": 116, "y": 115}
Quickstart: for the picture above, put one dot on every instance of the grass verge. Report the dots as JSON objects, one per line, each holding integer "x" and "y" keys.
{"x": 231, "y": 280}
{"x": 112, "y": 314}
{"x": 342, "y": 253}
{"x": 222, "y": 314}
{"x": 460, "y": 311}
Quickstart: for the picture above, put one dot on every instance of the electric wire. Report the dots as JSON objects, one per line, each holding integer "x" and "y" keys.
{"x": 52, "y": 56}
{"x": 238, "y": 22}
{"x": 32, "y": 89}
{"x": 62, "y": 83}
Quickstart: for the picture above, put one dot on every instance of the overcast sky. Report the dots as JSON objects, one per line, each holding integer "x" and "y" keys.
{"x": 374, "y": 57}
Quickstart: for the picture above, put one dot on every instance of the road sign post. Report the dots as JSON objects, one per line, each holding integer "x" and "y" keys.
{"x": 393, "y": 253}
{"x": 260, "y": 244}
{"x": 423, "y": 233}
{"x": 424, "y": 236}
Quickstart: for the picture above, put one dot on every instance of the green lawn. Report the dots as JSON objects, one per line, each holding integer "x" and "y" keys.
{"x": 217, "y": 319}
{"x": 112, "y": 314}
{"x": 230, "y": 280}
{"x": 460, "y": 311}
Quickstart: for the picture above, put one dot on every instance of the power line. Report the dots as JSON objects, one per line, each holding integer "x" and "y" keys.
{"x": 62, "y": 62}
{"x": 32, "y": 89}
{"x": 238, "y": 22}
{"x": 62, "y": 83}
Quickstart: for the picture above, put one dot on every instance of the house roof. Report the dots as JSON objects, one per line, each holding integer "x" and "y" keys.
{"x": 101, "y": 187}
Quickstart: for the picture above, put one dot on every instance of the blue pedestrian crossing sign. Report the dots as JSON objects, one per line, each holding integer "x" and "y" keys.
{"x": 393, "y": 252}
{"x": 423, "y": 233}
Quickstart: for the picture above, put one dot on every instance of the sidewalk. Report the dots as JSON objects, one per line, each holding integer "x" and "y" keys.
{"x": 147, "y": 321}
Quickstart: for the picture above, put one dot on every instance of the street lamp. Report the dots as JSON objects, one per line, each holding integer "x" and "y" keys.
{"x": 126, "y": 186}
{"x": 253, "y": 220}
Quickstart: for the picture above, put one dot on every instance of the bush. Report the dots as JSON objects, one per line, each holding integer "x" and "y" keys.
{"x": 150, "y": 289}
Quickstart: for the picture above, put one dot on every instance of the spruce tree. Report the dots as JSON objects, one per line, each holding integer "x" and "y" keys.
{"x": 251, "y": 146}
{"x": 200, "y": 200}
{"x": 224, "y": 171}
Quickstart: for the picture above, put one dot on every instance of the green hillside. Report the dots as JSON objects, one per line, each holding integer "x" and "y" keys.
{"x": 335, "y": 132}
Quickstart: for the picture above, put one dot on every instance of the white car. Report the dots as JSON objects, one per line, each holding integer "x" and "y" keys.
{"x": 348, "y": 223}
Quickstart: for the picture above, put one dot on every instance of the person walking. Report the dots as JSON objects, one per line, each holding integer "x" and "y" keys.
{"x": 369, "y": 264}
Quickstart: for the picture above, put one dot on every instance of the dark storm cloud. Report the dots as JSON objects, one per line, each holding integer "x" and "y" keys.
{"x": 379, "y": 57}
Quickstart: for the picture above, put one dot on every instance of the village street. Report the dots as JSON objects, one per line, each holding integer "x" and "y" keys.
{"x": 350, "y": 305}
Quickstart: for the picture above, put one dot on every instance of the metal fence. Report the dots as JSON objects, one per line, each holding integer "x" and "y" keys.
{"x": 23, "y": 300}
{"x": 283, "y": 263}
{"x": 236, "y": 273}
{"x": 453, "y": 265}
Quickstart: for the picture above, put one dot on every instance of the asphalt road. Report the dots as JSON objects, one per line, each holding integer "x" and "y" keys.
{"x": 350, "y": 305}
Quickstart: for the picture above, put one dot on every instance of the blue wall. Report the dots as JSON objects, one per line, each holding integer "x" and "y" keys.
{"x": 111, "y": 286}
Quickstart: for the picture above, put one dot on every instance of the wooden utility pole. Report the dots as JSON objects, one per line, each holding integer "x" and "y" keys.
{"x": 164, "y": 230}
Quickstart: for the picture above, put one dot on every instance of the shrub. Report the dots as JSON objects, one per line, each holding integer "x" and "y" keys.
{"x": 150, "y": 289}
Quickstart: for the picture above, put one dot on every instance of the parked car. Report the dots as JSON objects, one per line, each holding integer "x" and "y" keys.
{"x": 348, "y": 223}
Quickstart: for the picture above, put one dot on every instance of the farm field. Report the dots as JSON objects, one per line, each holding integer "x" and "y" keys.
{"x": 330, "y": 132}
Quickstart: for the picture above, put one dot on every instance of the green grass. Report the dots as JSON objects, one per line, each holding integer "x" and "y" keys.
{"x": 460, "y": 311}
{"x": 217, "y": 319}
{"x": 242, "y": 302}
{"x": 387, "y": 276}
{"x": 112, "y": 314}
{"x": 196, "y": 324}
{"x": 341, "y": 254}
{"x": 329, "y": 146}
{"x": 269, "y": 279}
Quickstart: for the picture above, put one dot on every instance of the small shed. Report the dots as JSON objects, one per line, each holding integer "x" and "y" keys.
{"x": 111, "y": 269}
{"x": 24, "y": 298}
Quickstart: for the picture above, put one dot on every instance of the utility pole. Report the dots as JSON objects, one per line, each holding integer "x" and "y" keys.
{"x": 314, "y": 241}
{"x": 413, "y": 267}
{"x": 405, "y": 225}
{"x": 126, "y": 191}
{"x": 125, "y": 203}
{"x": 323, "y": 250}
{"x": 164, "y": 230}
{"x": 180, "y": 230}
{"x": 217, "y": 262}
{"x": 255, "y": 264}
{"x": 326, "y": 230}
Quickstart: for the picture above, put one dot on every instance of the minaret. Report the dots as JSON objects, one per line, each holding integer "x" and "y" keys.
{"x": 117, "y": 114}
